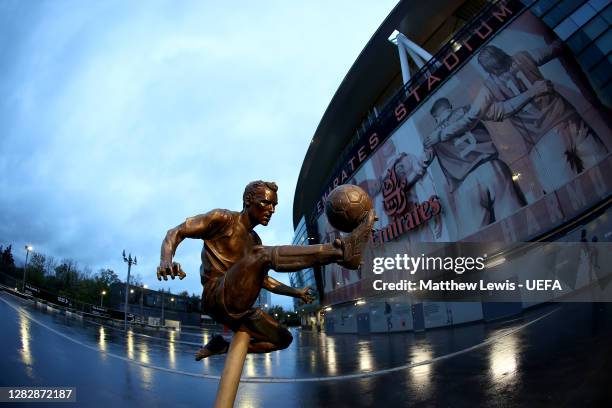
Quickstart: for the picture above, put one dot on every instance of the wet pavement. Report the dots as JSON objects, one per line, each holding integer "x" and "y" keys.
{"x": 556, "y": 355}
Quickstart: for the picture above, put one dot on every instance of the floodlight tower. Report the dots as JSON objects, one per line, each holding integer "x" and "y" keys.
{"x": 130, "y": 262}
{"x": 28, "y": 249}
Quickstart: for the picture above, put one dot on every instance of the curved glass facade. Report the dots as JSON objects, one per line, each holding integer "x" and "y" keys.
{"x": 505, "y": 137}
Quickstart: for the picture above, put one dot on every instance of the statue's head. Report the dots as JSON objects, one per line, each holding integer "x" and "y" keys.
{"x": 494, "y": 60}
{"x": 259, "y": 201}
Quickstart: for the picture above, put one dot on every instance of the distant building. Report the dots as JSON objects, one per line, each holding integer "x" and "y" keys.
{"x": 148, "y": 303}
{"x": 309, "y": 313}
{"x": 264, "y": 300}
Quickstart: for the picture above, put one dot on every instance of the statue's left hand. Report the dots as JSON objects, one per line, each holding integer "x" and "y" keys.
{"x": 307, "y": 294}
{"x": 171, "y": 269}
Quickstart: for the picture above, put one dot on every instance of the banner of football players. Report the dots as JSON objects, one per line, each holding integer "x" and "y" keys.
{"x": 509, "y": 147}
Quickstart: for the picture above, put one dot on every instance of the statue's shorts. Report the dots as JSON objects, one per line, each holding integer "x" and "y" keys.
{"x": 259, "y": 324}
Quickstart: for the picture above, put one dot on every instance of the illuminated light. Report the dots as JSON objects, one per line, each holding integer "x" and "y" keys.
{"x": 145, "y": 286}
{"x": 144, "y": 353}
{"x": 268, "y": 364}
{"x": 503, "y": 358}
{"x": 130, "y": 345}
{"x": 328, "y": 309}
{"x": 421, "y": 375}
{"x": 29, "y": 248}
{"x": 26, "y": 353}
{"x": 103, "y": 292}
{"x": 102, "y": 339}
{"x": 455, "y": 45}
{"x": 131, "y": 290}
{"x": 330, "y": 350}
{"x": 172, "y": 299}
{"x": 171, "y": 351}
{"x": 393, "y": 37}
{"x": 365, "y": 356}
{"x": 250, "y": 366}
{"x": 516, "y": 176}
{"x": 495, "y": 262}
{"x": 313, "y": 359}
{"x": 147, "y": 377}
{"x": 360, "y": 302}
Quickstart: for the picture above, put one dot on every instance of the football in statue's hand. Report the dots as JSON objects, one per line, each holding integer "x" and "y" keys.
{"x": 346, "y": 206}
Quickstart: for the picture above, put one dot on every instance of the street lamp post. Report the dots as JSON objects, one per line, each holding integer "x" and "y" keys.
{"x": 171, "y": 300}
{"x": 28, "y": 249}
{"x": 102, "y": 297}
{"x": 130, "y": 262}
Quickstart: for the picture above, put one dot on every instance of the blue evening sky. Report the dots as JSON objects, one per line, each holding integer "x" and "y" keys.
{"x": 119, "y": 119}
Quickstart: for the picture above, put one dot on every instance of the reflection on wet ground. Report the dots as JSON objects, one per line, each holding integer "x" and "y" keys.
{"x": 552, "y": 355}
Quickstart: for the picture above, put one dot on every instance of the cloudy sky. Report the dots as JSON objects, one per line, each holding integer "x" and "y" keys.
{"x": 120, "y": 119}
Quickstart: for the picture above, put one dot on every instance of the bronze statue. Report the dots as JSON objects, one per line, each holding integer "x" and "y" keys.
{"x": 235, "y": 266}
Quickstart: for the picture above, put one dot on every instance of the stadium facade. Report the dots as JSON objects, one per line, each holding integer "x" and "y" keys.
{"x": 506, "y": 107}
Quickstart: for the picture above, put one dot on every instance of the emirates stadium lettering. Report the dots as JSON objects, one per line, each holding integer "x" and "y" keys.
{"x": 405, "y": 215}
{"x": 411, "y": 219}
{"x": 438, "y": 72}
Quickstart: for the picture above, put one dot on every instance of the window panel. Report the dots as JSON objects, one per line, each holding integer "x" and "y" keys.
{"x": 597, "y": 26}
{"x": 566, "y": 28}
{"x": 578, "y": 41}
{"x": 590, "y": 56}
{"x": 607, "y": 14}
{"x": 583, "y": 14}
{"x": 598, "y": 5}
{"x": 561, "y": 11}
{"x": 604, "y": 43}
{"x": 602, "y": 73}
{"x": 543, "y": 6}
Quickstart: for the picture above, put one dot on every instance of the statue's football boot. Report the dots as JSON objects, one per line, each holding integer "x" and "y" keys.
{"x": 216, "y": 345}
{"x": 352, "y": 245}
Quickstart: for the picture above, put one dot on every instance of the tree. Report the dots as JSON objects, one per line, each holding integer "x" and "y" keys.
{"x": 67, "y": 277}
{"x": 277, "y": 312}
{"x": 37, "y": 263}
{"x": 7, "y": 262}
{"x": 107, "y": 277}
{"x": 136, "y": 280}
{"x": 50, "y": 265}
{"x": 36, "y": 270}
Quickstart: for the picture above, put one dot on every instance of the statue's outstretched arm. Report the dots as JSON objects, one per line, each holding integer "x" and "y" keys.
{"x": 279, "y": 288}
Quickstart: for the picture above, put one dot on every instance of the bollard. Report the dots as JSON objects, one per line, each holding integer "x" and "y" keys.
{"x": 234, "y": 363}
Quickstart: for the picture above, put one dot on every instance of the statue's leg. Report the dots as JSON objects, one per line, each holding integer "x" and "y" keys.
{"x": 346, "y": 251}
{"x": 243, "y": 281}
{"x": 289, "y": 258}
{"x": 267, "y": 334}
